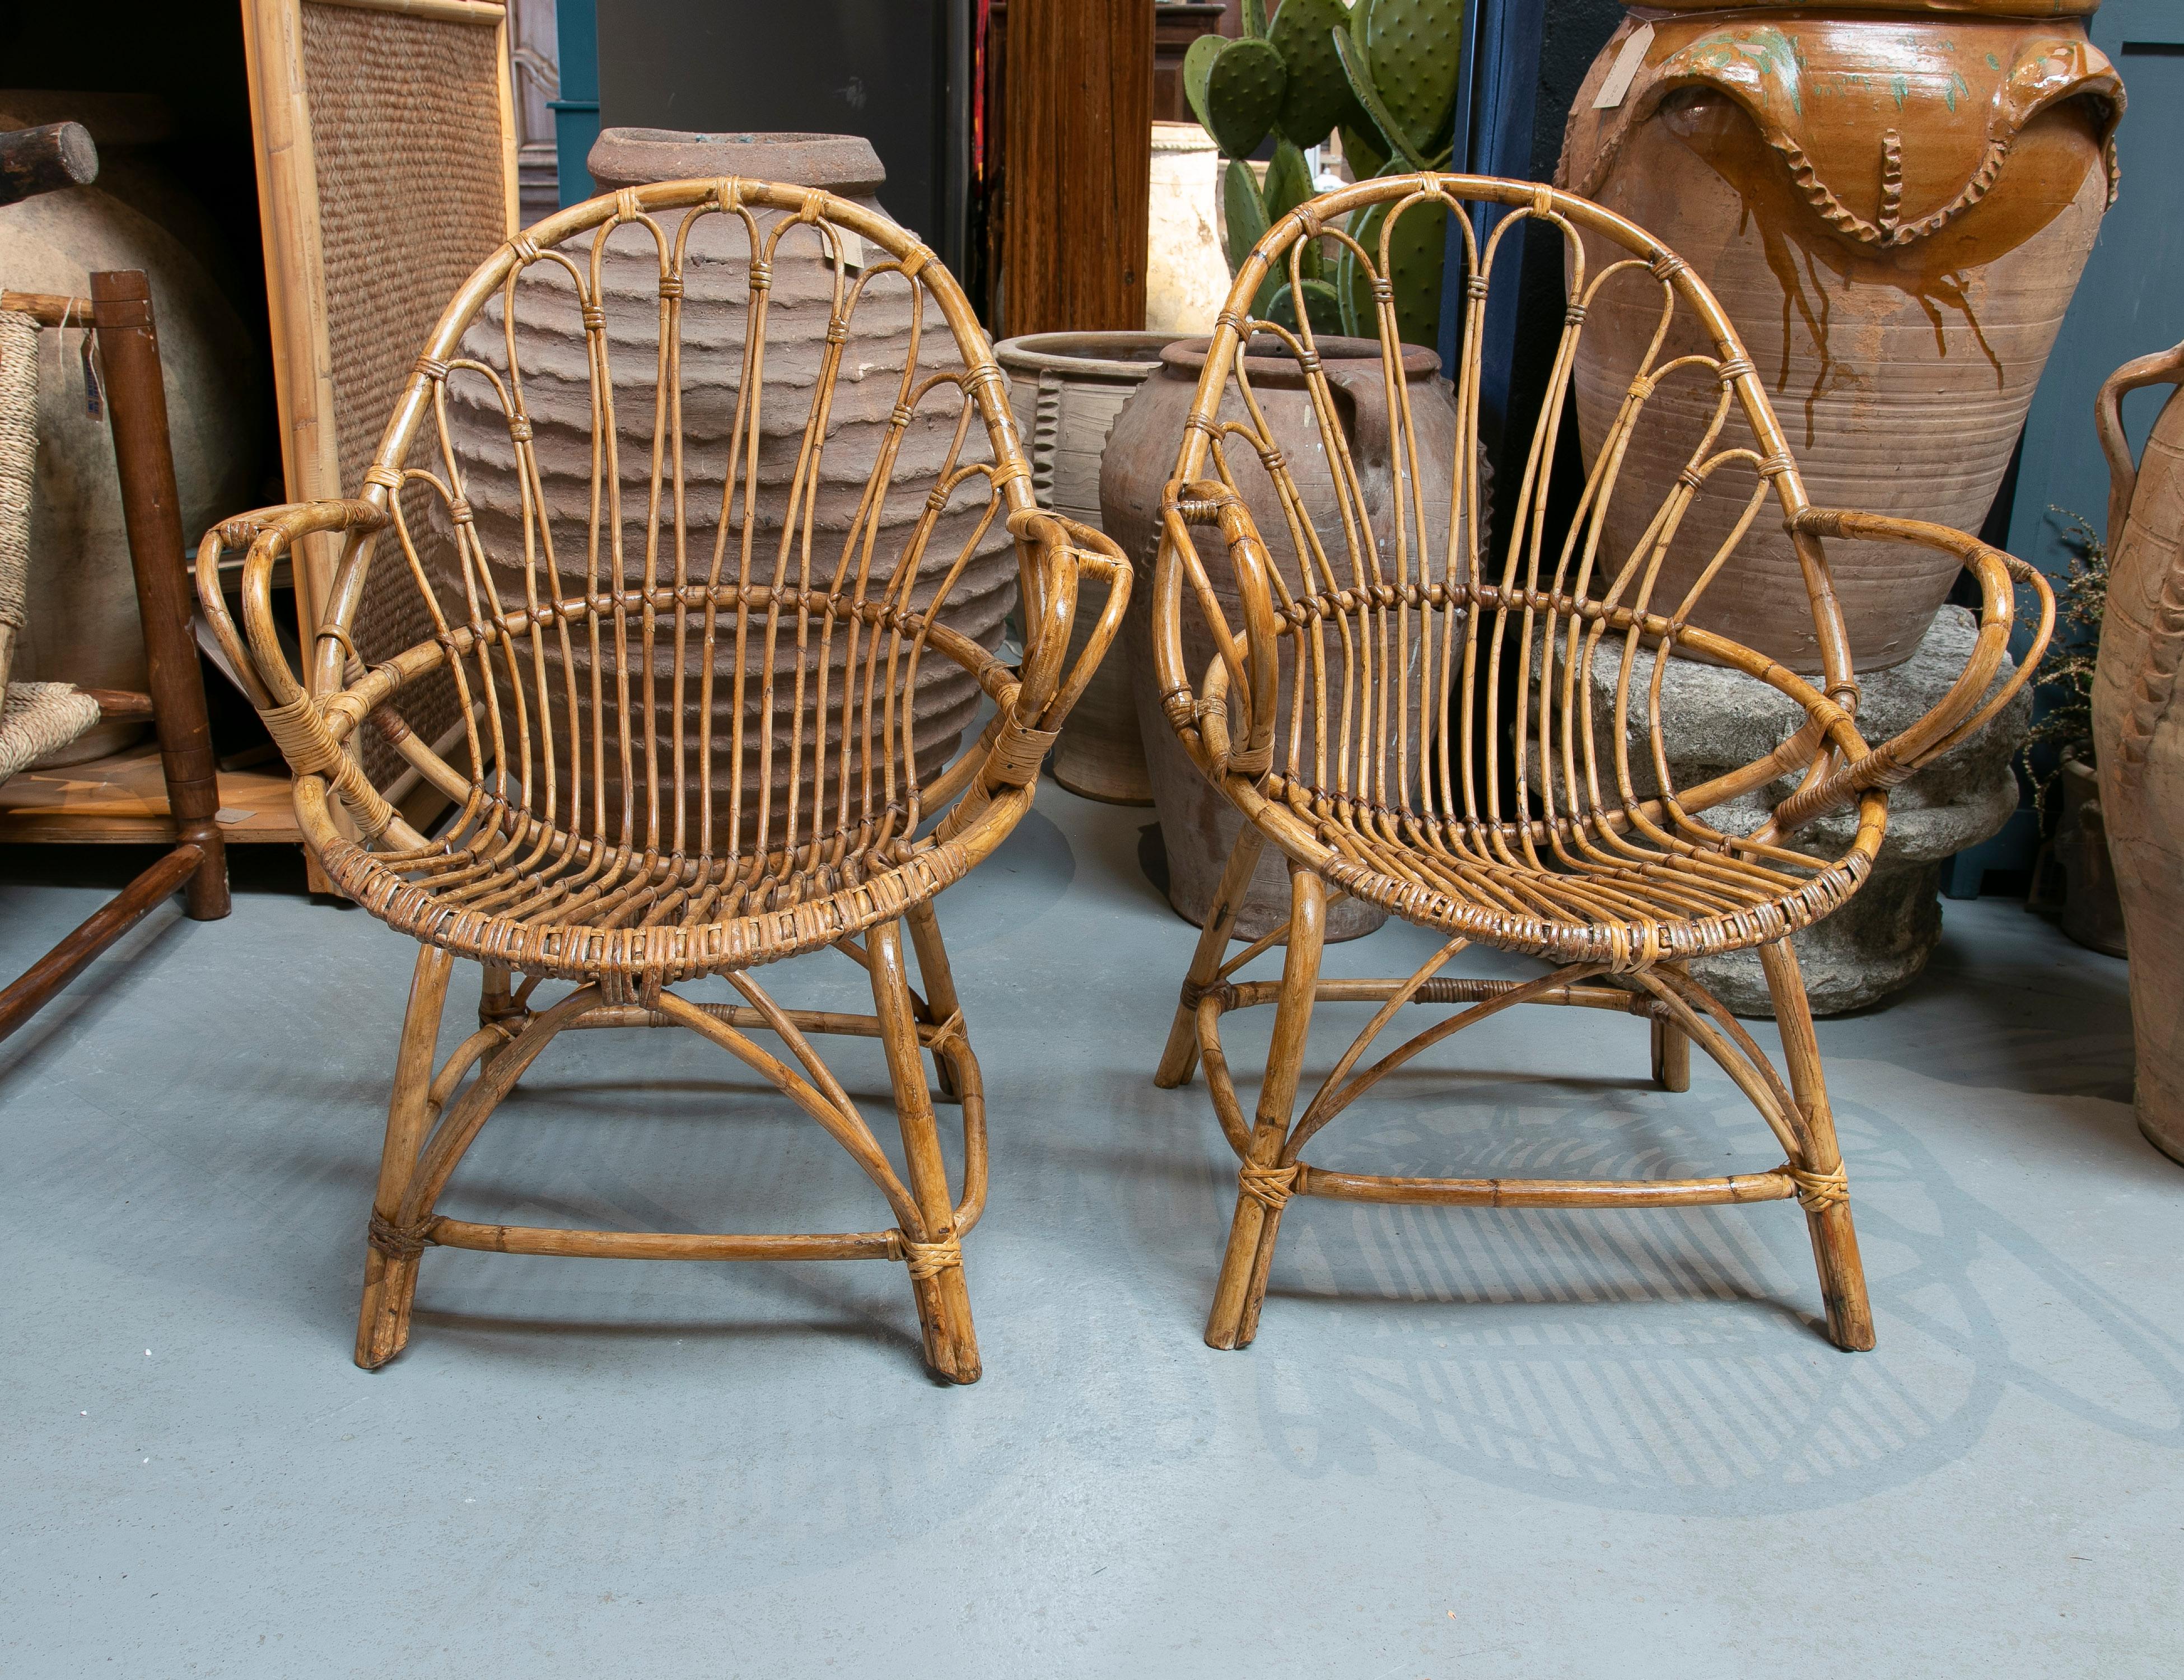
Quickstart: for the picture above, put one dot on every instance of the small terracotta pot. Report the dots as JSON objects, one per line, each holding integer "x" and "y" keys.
{"x": 2091, "y": 912}
{"x": 1066, "y": 388}
{"x": 2138, "y": 734}
{"x": 1198, "y": 823}
{"x": 1892, "y": 202}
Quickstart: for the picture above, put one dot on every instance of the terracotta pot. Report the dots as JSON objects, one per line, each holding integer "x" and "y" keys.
{"x": 2138, "y": 734}
{"x": 1066, "y": 388}
{"x": 550, "y": 346}
{"x": 1198, "y": 824}
{"x": 81, "y": 599}
{"x": 2091, "y": 912}
{"x": 1186, "y": 275}
{"x": 1893, "y": 205}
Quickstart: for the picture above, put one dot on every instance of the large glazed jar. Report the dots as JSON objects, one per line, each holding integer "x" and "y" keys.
{"x": 2138, "y": 732}
{"x": 1198, "y": 824}
{"x": 1893, "y": 201}
{"x": 551, "y": 350}
{"x": 1065, "y": 389}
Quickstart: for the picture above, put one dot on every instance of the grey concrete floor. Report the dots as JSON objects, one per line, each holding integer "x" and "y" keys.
{"x": 1465, "y": 1442}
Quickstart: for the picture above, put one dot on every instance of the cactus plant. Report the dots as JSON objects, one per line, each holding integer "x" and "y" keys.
{"x": 1384, "y": 72}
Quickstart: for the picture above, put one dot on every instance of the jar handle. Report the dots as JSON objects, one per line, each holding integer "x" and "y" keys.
{"x": 1361, "y": 393}
{"x": 2166, "y": 367}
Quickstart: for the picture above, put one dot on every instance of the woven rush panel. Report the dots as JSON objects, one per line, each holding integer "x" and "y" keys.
{"x": 405, "y": 122}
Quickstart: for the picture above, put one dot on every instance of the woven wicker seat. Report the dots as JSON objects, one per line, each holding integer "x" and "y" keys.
{"x": 1483, "y": 750}
{"x": 698, "y": 735}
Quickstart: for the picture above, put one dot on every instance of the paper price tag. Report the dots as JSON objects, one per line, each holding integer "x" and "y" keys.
{"x": 1626, "y": 69}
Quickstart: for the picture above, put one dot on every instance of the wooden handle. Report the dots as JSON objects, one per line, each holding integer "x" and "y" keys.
{"x": 35, "y": 160}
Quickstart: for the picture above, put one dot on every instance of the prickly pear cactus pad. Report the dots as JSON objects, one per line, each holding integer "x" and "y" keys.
{"x": 1317, "y": 96}
{"x": 1413, "y": 48}
{"x": 1244, "y": 96}
{"x": 1197, "y": 65}
{"x": 1243, "y": 210}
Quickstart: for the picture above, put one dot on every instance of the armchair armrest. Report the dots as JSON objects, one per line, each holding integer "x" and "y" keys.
{"x": 1960, "y": 713}
{"x": 1089, "y": 553}
{"x": 297, "y": 722}
{"x": 1016, "y": 743}
{"x": 1250, "y": 669}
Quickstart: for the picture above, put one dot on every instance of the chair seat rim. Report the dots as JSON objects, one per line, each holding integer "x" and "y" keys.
{"x": 1619, "y": 944}
{"x": 582, "y": 950}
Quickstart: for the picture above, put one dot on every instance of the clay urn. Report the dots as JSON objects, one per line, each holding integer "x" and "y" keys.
{"x": 81, "y": 608}
{"x": 1198, "y": 824}
{"x": 2138, "y": 730}
{"x": 1893, "y": 201}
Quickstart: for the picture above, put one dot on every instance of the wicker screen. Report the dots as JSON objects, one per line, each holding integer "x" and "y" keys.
{"x": 406, "y": 129}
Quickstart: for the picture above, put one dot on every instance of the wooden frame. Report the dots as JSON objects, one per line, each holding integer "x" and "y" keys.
{"x": 1075, "y": 165}
{"x": 120, "y": 311}
{"x": 601, "y": 841}
{"x": 296, "y": 291}
{"x": 1414, "y": 723}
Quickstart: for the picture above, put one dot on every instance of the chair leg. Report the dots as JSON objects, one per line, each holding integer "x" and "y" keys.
{"x": 943, "y": 1302}
{"x": 1234, "y": 1318}
{"x": 1180, "y": 1059}
{"x": 1827, "y": 1214}
{"x": 390, "y": 1278}
{"x": 497, "y": 1004}
{"x": 940, "y": 981}
{"x": 1672, "y": 1056}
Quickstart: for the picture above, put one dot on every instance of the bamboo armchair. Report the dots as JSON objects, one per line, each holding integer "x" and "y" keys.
{"x": 690, "y": 746}
{"x": 1422, "y": 734}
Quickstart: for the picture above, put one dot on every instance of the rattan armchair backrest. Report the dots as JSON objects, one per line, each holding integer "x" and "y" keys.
{"x": 1404, "y": 682}
{"x": 697, "y": 482}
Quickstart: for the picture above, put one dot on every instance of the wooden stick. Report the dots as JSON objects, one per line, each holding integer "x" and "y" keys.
{"x": 1671, "y": 1056}
{"x": 1546, "y": 1193}
{"x": 1179, "y": 1057}
{"x": 38, "y": 983}
{"x": 1242, "y": 1284}
{"x": 46, "y": 160}
{"x": 943, "y": 1305}
{"x": 47, "y": 309}
{"x": 390, "y": 1280}
{"x": 151, "y": 508}
{"x": 1835, "y": 1238}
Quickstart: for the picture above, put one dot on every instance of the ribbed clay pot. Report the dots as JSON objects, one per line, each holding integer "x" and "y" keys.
{"x": 1198, "y": 824}
{"x": 551, "y": 349}
{"x": 1066, "y": 388}
{"x": 81, "y": 611}
{"x": 1892, "y": 202}
{"x": 2138, "y": 734}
